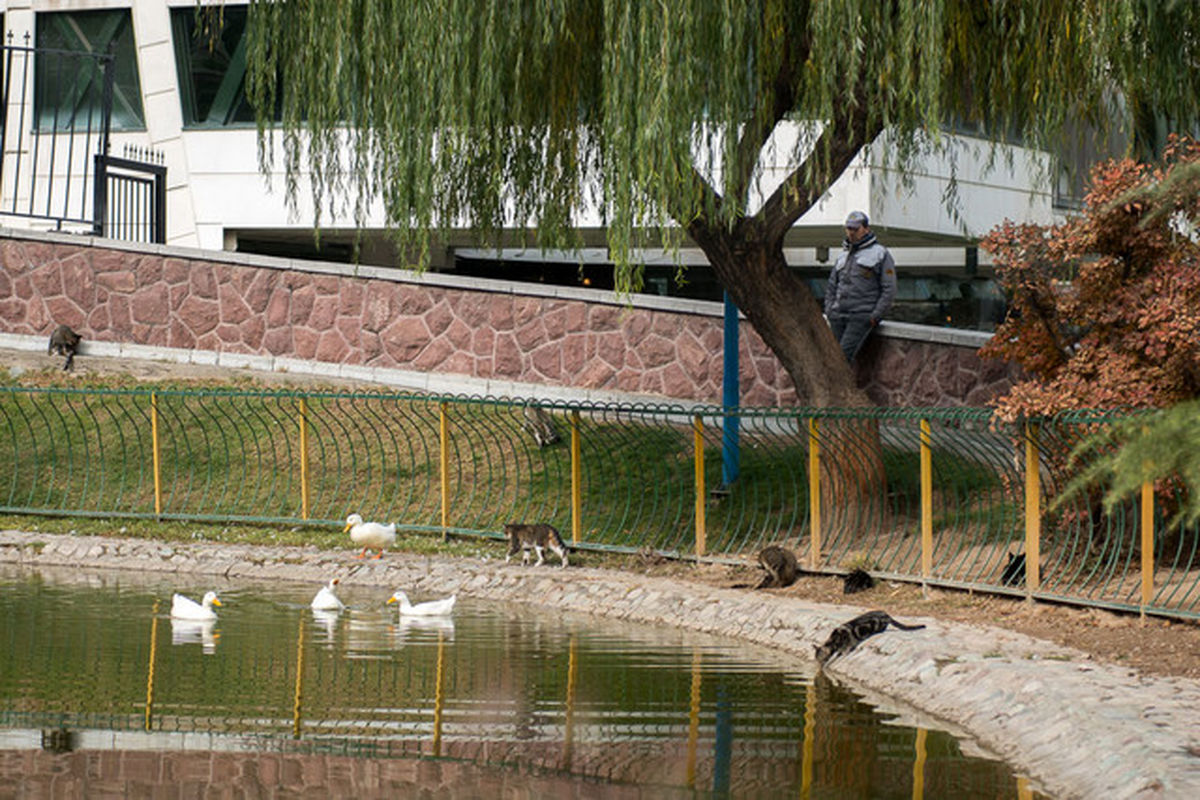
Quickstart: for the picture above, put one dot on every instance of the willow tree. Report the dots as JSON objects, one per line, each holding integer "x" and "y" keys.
{"x": 521, "y": 115}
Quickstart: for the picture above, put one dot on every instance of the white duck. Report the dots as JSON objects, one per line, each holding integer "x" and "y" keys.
{"x": 433, "y": 608}
{"x": 327, "y": 599}
{"x": 186, "y": 608}
{"x": 371, "y": 535}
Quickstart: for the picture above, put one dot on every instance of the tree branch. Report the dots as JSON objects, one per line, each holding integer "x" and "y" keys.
{"x": 844, "y": 136}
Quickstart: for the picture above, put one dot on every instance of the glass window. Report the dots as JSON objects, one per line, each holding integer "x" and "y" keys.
{"x": 69, "y": 88}
{"x": 210, "y": 59}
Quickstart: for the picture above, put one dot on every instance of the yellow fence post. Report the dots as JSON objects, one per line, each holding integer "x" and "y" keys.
{"x": 1147, "y": 545}
{"x": 150, "y": 669}
{"x": 809, "y": 740}
{"x": 918, "y": 791}
{"x": 444, "y": 460}
{"x": 155, "y": 454}
{"x": 296, "y": 705}
{"x": 693, "y": 720}
{"x": 576, "y": 480}
{"x": 926, "y": 501}
{"x": 569, "y": 722}
{"x": 1033, "y": 510}
{"x": 439, "y": 695}
{"x": 814, "y": 494}
{"x": 303, "y": 458}
{"x": 698, "y": 446}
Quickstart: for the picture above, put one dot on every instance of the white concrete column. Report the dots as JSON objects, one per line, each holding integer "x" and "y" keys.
{"x": 164, "y": 118}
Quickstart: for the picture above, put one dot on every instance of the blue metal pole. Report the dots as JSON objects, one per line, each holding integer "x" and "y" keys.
{"x": 730, "y": 398}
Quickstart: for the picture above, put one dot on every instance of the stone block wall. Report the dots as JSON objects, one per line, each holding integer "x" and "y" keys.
{"x": 482, "y": 329}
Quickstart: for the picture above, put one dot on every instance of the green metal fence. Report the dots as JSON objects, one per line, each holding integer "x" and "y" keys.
{"x": 943, "y": 496}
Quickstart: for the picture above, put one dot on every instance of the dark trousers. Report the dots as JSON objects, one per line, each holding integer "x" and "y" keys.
{"x": 851, "y": 332}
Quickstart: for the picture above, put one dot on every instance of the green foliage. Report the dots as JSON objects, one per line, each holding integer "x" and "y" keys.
{"x": 1158, "y": 448}
{"x": 522, "y": 114}
{"x": 559, "y": 122}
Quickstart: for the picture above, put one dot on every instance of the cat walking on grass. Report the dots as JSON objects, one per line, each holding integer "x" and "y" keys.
{"x": 538, "y": 538}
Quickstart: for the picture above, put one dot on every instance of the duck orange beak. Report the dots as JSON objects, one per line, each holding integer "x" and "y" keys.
{"x": 348, "y": 527}
{"x": 216, "y": 601}
{"x": 391, "y": 600}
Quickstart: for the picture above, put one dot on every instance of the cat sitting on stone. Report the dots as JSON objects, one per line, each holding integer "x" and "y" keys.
{"x": 64, "y": 341}
{"x": 538, "y": 538}
{"x": 849, "y": 635}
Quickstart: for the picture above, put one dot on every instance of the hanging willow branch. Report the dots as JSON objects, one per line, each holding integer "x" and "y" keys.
{"x": 547, "y": 116}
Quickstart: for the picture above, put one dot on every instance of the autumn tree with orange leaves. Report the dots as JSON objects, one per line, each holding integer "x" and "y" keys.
{"x": 1105, "y": 308}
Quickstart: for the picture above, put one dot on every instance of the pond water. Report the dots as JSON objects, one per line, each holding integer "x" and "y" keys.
{"x": 102, "y": 693}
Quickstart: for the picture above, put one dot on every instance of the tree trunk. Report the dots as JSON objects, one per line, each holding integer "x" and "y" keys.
{"x": 790, "y": 321}
{"x": 784, "y": 313}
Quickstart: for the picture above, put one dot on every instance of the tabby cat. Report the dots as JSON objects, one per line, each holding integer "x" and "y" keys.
{"x": 540, "y": 425}
{"x": 781, "y": 566}
{"x": 63, "y": 342}
{"x": 538, "y": 538}
{"x": 849, "y": 635}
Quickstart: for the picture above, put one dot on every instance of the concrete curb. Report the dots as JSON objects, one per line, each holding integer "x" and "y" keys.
{"x": 1078, "y": 728}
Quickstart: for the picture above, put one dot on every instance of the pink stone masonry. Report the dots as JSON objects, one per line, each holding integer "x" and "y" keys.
{"x": 193, "y": 303}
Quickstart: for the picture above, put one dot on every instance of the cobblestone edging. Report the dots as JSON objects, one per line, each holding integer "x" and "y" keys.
{"x": 1078, "y": 728}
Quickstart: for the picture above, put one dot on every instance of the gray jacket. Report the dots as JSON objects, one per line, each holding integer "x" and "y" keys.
{"x": 862, "y": 282}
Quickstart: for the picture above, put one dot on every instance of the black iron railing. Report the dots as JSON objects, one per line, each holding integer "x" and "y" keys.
{"x": 55, "y": 167}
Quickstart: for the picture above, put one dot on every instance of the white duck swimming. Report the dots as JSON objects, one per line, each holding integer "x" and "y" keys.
{"x": 186, "y": 608}
{"x": 327, "y": 599}
{"x": 371, "y": 535}
{"x": 433, "y": 608}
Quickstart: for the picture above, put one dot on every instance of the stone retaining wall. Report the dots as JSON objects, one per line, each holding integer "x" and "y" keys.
{"x": 1078, "y": 728}
{"x": 485, "y": 330}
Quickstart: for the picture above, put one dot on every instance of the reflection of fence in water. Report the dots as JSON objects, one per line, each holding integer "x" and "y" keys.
{"x": 700, "y": 732}
{"x": 936, "y": 495}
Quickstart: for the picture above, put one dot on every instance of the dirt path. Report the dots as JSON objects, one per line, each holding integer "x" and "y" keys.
{"x": 1151, "y": 646}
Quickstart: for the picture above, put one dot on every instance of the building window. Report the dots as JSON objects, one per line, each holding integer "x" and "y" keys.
{"x": 210, "y": 60}
{"x": 69, "y": 91}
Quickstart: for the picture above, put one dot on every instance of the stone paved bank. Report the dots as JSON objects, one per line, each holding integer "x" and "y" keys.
{"x": 1080, "y": 729}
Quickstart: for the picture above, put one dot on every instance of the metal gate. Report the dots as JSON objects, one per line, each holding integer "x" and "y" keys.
{"x": 55, "y": 169}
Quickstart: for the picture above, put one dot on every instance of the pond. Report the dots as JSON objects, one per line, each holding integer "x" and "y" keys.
{"x": 102, "y": 693}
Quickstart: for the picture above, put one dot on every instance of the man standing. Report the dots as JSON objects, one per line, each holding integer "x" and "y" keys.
{"x": 861, "y": 286}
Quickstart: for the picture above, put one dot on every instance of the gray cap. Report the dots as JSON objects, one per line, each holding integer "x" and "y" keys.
{"x": 856, "y": 219}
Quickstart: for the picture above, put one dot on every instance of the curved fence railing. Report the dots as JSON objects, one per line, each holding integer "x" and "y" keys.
{"x": 945, "y": 496}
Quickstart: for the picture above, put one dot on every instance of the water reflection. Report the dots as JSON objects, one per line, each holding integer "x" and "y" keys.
{"x": 185, "y": 631}
{"x": 419, "y": 629}
{"x": 327, "y": 624}
{"x": 659, "y": 709}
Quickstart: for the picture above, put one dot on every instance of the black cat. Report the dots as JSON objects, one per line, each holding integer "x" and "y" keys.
{"x": 857, "y": 581}
{"x": 1014, "y": 570}
{"x": 849, "y": 635}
